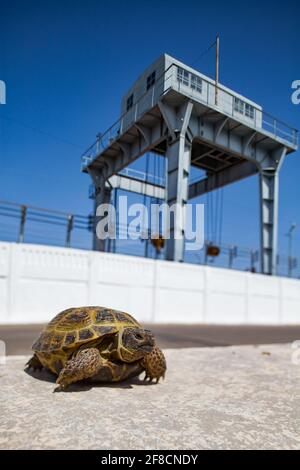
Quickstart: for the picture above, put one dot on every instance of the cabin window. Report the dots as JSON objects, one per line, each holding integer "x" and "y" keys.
{"x": 196, "y": 83}
{"x": 183, "y": 76}
{"x": 129, "y": 102}
{"x": 243, "y": 108}
{"x": 189, "y": 79}
{"x": 239, "y": 105}
{"x": 151, "y": 80}
{"x": 249, "y": 111}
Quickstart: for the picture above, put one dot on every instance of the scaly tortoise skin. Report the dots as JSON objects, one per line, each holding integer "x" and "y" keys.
{"x": 97, "y": 344}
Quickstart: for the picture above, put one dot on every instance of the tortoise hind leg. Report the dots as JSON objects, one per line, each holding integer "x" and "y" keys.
{"x": 34, "y": 363}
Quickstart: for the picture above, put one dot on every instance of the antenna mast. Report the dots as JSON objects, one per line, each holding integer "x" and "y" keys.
{"x": 217, "y": 69}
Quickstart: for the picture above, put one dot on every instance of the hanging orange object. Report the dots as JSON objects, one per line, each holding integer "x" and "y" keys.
{"x": 212, "y": 250}
{"x": 158, "y": 242}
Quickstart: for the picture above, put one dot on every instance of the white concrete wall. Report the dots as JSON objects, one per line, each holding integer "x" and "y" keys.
{"x": 37, "y": 281}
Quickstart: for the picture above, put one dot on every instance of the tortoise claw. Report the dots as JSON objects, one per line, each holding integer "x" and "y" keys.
{"x": 62, "y": 385}
{"x": 149, "y": 378}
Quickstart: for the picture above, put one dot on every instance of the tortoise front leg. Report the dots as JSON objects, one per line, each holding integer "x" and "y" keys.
{"x": 154, "y": 365}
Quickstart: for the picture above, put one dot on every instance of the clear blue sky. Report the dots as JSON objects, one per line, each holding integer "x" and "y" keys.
{"x": 66, "y": 65}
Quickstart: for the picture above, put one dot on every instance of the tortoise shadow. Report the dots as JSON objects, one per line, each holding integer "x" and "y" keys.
{"x": 41, "y": 374}
{"x": 83, "y": 386}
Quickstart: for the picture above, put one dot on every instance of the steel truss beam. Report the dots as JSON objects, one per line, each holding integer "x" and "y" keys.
{"x": 178, "y": 128}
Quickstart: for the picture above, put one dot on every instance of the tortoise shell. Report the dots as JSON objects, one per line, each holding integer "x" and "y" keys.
{"x": 76, "y": 326}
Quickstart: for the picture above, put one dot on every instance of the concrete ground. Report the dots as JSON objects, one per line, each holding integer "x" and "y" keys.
{"x": 19, "y": 338}
{"x": 240, "y": 397}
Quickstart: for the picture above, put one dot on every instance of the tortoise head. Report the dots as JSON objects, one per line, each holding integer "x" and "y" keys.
{"x": 134, "y": 344}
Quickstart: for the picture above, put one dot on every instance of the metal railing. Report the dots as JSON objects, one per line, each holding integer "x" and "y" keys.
{"x": 28, "y": 224}
{"x": 225, "y": 103}
{"x": 143, "y": 176}
{"x": 105, "y": 139}
{"x": 150, "y": 177}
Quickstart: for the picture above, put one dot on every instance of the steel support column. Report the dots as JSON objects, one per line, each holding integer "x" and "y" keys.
{"x": 179, "y": 156}
{"x": 269, "y": 185}
{"x": 178, "y": 168}
{"x": 102, "y": 196}
{"x": 269, "y": 220}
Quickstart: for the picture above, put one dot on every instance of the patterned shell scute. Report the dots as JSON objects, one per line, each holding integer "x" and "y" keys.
{"x": 76, "y": 326}
{"x": 103, "y": 330}
{"x": 104, "y": 315}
